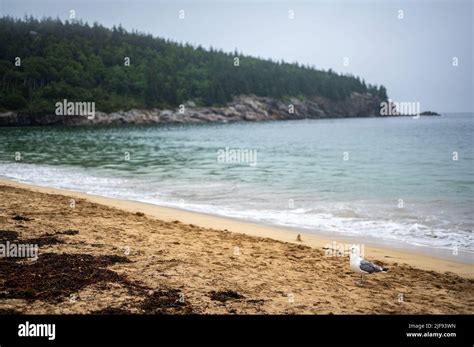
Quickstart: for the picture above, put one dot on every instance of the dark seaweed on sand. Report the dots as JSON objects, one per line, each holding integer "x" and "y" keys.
{"x": 53, "y": 277}
{"x": 225, "y": 295}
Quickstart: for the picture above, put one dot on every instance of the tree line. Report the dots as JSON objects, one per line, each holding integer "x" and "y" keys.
{"x": 44, "y": 61}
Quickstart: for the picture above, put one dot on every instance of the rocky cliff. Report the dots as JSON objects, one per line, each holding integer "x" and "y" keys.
{"x": 242, "y": 108}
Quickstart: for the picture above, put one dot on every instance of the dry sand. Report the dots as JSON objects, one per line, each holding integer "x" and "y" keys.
{"x": 111, "y": 256}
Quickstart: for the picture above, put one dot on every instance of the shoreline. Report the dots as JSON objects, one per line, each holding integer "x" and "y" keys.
{"x": 103, "y": 256}
{"x": 392, "y": 255}
{"x": 240, "y": 108}
{"x": 114, "y": 123}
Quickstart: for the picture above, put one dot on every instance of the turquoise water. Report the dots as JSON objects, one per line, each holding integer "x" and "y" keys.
{"x": 300, "y": 178}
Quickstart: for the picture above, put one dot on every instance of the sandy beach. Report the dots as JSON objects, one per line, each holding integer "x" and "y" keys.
{"x": 104, "y": 256}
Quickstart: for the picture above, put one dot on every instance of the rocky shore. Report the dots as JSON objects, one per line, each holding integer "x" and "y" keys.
{"x": 241, "y": 108}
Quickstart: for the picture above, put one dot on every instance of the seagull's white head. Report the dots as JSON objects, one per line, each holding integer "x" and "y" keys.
{"x": 355, "y": 251}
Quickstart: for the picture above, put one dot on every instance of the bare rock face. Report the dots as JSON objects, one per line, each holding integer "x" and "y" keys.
{"x": 241, "y": 108}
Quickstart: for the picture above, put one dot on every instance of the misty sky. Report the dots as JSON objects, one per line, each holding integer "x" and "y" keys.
{"x": 412, "y": 56}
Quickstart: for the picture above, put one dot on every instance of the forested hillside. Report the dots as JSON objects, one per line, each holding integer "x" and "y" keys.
{"x": 81, "y": 62}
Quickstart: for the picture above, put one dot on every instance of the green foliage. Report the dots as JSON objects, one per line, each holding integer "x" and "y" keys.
{"x": 79, "y": 62}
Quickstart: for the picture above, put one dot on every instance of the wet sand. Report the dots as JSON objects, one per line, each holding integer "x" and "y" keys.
{"x": 108, "y": 256}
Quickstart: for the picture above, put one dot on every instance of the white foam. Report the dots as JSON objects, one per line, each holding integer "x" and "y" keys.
{"x": 340, "y": 218}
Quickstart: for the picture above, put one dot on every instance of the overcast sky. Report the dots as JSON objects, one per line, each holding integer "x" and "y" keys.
{"x": 412, "y": 56}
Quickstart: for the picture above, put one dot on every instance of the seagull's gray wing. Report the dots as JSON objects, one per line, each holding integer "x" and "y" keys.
{"x": 367, "y": 266}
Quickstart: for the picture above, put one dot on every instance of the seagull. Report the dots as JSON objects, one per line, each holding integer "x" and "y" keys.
{"x": 362, "y": 266}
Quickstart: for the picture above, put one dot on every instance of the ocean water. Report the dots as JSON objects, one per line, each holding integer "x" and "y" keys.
{"x": 389, "y": 180}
